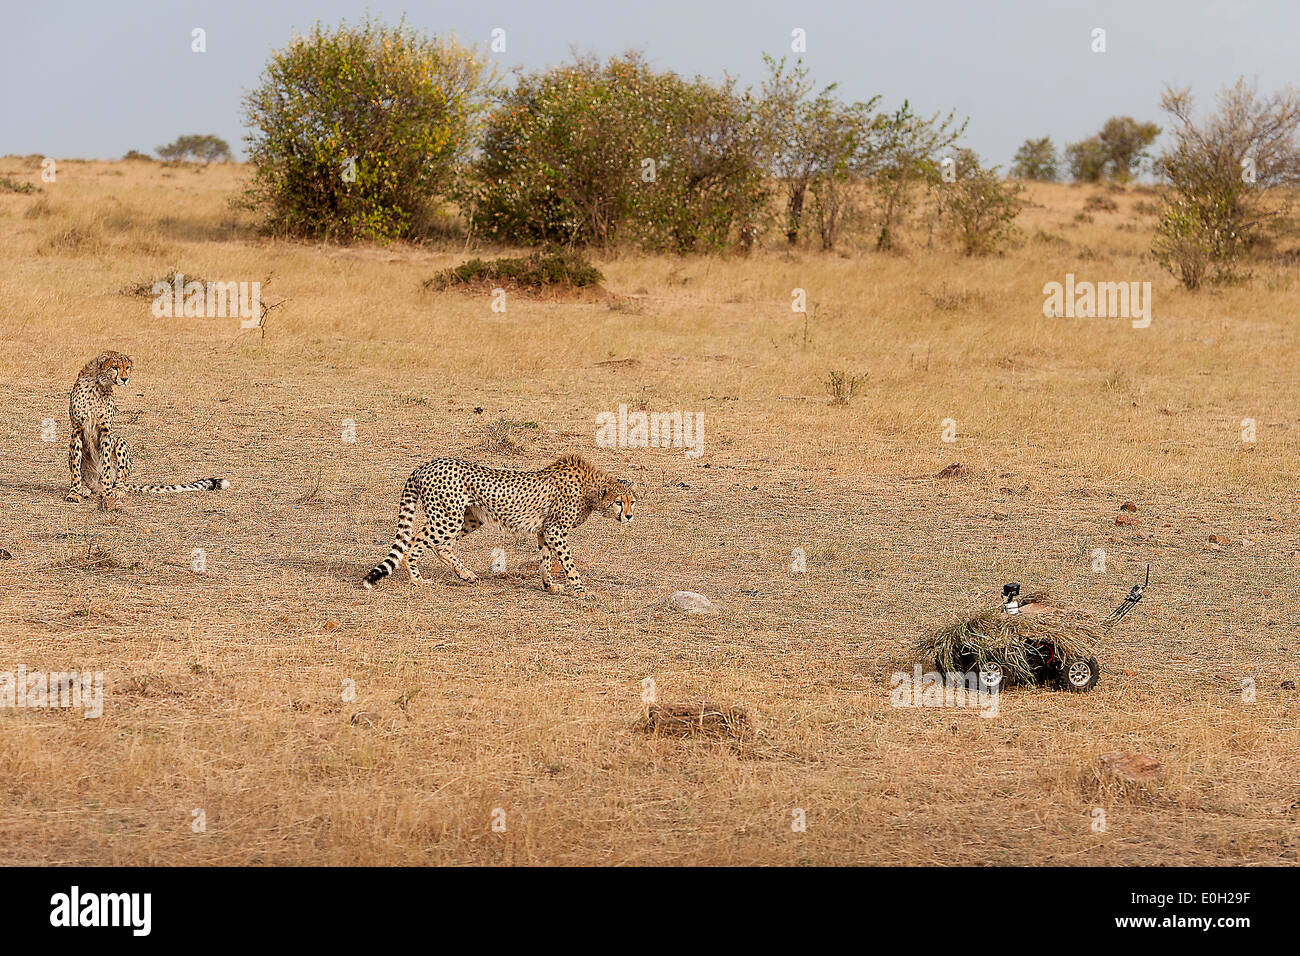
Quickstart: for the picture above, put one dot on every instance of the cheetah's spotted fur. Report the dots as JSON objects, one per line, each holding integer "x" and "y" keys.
{"x": 459, "y": 496}
{"x": 99, "y": 460}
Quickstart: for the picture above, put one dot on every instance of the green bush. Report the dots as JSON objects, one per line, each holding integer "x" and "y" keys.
{"x": 541, "y": 270}
{"x": 356, "y": 131}
{"x": 979, "y": 207}
{"x": 595, "y": 154}
{"x": 1035, "y": 159}
{"x": 1221, "y": 170}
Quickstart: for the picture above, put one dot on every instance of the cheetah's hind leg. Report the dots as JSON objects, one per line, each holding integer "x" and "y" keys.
{"x": 418, "y": 547}
{"x": 473, "y": 520}
{"x": 442, "y": 548}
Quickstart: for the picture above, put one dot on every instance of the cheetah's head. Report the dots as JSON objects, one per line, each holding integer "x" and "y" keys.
{"x": 114, "y": 368}
{"x": 618, "y": 500}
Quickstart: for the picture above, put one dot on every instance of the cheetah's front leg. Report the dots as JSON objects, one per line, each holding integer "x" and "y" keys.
{"x": 110, "y": 469}
{"x": 77, "y": 489}
{"x": 544, "y": 565}
{"x": 554, "y": 539}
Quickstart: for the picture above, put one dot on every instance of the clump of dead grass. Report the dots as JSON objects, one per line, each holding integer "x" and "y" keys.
{"x": 79, "y": 239}
{"x": 95, "y": 557}
{"x": 956, "y": 300}
{"x": 144, "y": 289}
{"x": 697, "y": 720}
{"x": 508, "y": 437}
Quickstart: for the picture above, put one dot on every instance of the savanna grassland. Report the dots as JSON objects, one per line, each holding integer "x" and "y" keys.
{"x": 227, "y": 691}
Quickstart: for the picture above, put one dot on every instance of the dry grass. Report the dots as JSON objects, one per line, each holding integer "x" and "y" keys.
{"x": 225, "y": 690}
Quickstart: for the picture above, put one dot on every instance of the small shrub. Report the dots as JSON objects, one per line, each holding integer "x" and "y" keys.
{"x": 135, "y": 155}
{"x": 842, "y": 386}
{"x": 536, "y": 272}
{"x": 1100, "y": 203}
{"x": 980, "y": 208}
{"x": 10, "y": 185}
{"x": 144, "y": 290}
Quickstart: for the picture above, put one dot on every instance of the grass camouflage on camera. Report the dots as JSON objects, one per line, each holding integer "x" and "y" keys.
{"x": 1008, "y": 639}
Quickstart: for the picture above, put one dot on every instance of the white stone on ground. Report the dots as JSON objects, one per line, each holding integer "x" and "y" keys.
{"x": 688, "y": 602}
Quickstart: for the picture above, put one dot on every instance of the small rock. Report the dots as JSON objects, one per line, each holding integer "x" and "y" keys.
{"x": 1126, "y": 521}
{"x": 331, "y": 625}
{"x": 1133, "y": 767}
{"x": 689, "y": 602}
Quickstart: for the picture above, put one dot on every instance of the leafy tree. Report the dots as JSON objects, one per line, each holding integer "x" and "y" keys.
{"x": 1223, "y": 173}
{"x": 815, "y": 143}
{"x": 355, "y": 131}
{"x": 199, "y": 149}
{"x": 1115, "y": 153}
{"x": 1086, "y": 160}
{"x": 1036, "y": 159}
{"x": 1126, "y": 142}
{"x": 905, "y": 153}
{"x": 845, "y": 147}
{"x": 979, "y": 207}
{"x": 715, "y": 184}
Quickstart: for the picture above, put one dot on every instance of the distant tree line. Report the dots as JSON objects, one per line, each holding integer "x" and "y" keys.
{"x": 196, "y": 148}
{"x": 1115, "y": 153}
{"x": 365, "y": 131}
{"x": 374, "y": 131}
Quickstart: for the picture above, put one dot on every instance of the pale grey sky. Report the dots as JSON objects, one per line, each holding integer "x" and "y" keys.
{"x": 95, "y": 79}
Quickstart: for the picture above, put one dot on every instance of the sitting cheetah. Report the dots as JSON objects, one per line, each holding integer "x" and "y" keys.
{"x": 459, "y": 496}
{"x": 97, "y": 459}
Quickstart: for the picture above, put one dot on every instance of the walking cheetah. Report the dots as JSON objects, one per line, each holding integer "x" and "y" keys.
{"x": 99, "y": 460}
{"x": 459, "y": 496}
